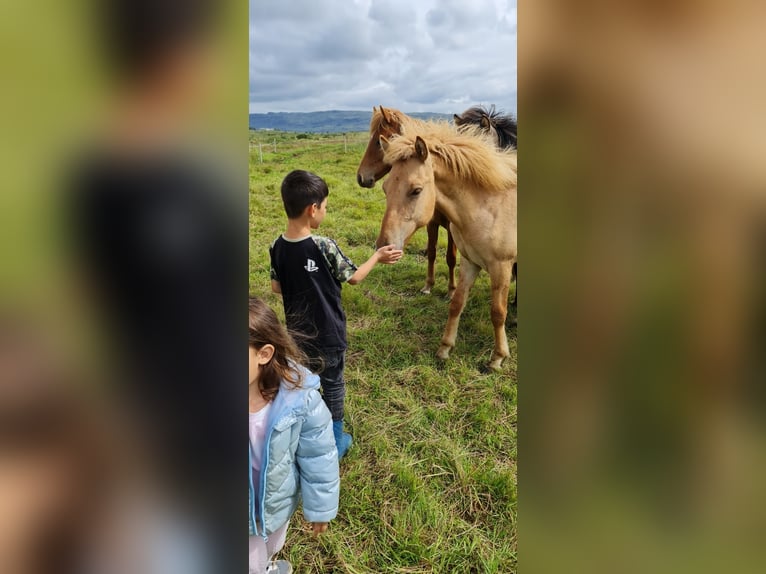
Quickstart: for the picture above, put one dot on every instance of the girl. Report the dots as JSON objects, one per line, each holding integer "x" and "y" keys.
{"x": 292, "y": 446}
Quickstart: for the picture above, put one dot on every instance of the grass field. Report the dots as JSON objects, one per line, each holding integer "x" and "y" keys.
{"x": 430, "y": 483}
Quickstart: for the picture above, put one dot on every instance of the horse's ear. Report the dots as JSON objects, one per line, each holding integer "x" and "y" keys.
{"x": 456, "y": 117}
{"x": 485, "y": 123}
{"x": 385, "y": 115}
{"x": 421, "y": 148}
{"x": 383, "y": 143}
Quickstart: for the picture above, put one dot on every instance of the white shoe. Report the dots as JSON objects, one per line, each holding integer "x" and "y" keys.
{"x": 279, "y": 567}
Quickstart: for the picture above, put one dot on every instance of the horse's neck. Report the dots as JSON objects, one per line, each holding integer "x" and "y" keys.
{"x": 450, "y": 201}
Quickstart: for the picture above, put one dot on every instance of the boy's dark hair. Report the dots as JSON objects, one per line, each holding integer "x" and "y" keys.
{"x": 265, "y": 329}
{"x": 300, "y": 189}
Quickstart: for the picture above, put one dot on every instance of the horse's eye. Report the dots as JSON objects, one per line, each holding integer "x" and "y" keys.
{"x": 415, "y": 192}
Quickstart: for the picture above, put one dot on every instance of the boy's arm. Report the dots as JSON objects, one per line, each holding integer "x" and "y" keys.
{"x": 275, "y": 286}
{"x": 386, "y": 255}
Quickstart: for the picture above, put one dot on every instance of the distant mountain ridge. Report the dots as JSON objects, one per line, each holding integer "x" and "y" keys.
{"x": 332, "y": 121}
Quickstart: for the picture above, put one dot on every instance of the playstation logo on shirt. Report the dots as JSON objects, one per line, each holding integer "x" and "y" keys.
{"x": 311, "y": 266}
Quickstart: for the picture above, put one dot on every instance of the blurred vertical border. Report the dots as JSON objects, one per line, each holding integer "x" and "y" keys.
{"x": 642, "y": 190}
{"x": 102, "y": 98}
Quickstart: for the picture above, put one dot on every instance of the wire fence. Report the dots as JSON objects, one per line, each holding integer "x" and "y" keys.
{"x": 350, "y": 142}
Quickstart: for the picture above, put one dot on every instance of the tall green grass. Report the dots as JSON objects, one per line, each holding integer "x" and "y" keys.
{"x": 430, "y": 483}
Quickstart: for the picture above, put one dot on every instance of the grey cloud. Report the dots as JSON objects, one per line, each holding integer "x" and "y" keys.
{"x": 476, "y": 14}
{"x": 262, "y": 11}
{"x": 390, "y": 14}
{"x": 394, "y": 27}
{"x": 345, "y": 41}
{"x": 437, "y": 18}
{"x": 456, "y": 24}
{"x": 391, "y": 52}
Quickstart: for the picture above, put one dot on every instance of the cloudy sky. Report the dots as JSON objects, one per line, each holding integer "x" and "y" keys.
{"x": 414, "y": 55}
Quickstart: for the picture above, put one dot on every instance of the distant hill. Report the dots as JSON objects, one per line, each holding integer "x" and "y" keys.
{"x": 332, "y": 121}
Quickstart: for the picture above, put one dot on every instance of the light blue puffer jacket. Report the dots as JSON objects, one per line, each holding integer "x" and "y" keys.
{"x": 299, "y": 460}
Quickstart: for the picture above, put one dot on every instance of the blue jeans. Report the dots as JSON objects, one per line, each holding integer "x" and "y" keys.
{"x": 333, "y": 385}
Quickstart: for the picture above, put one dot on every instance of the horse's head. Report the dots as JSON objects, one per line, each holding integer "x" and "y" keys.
{"x": 372, "y": 167}
{"x": 478, "y": 118}
{"x": 488, "y": 126}
{"x": 410, "y": 191}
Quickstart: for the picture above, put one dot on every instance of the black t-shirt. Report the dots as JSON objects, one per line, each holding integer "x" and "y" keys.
{"x": 310, "y": 272}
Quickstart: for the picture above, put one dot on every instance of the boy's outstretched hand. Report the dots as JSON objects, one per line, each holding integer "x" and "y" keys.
{"x": 389, "y": 254}
{"x": 318, "y": 527}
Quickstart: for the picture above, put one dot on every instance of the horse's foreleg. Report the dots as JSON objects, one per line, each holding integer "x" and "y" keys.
{"x": 451, "y": 262}
{"x": 468, "y": 273}
{"x": 500, "y": 280}
{"x": 514, "y": 279}
{"x": 433, "y": 238}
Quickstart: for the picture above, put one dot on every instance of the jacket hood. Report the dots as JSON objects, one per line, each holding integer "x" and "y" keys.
{"x": 290, "y": 398}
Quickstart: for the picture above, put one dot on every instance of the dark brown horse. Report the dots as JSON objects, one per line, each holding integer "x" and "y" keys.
{"x": 388, "y": 122}
{"x": 501, "y": 126}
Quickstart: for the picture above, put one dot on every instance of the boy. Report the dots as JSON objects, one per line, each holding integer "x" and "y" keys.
{"x": 308, "y": 271}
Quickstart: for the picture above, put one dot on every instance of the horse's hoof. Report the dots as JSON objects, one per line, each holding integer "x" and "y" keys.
{"x": 450, "y": 293}
{"x": 426, "y": 290}
{"x": 443, "y": 353}
{"x": 490, "y": 368}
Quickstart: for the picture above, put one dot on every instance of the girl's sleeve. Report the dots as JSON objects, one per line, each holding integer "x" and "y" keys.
{"x": 317, "y": 460}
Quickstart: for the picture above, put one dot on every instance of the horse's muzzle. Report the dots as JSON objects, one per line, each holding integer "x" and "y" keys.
{"x": 365, "y": 182}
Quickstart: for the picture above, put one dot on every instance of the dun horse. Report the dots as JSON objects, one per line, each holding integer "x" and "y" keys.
{"x": 474, "y": 184}
{"x": 388, "y": 122}
{"x": 501, "y": 127}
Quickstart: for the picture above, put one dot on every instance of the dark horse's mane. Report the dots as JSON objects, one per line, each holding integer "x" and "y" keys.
{"x": 504, "y": 124}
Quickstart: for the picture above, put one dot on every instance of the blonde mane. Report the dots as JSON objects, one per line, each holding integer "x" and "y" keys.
{"x": 470, "y": 155}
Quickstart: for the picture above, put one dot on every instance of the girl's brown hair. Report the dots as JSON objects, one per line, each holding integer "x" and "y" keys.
{"x": 265, "y": 329}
